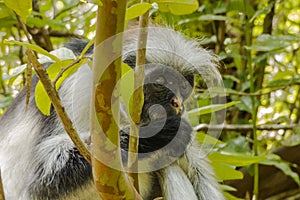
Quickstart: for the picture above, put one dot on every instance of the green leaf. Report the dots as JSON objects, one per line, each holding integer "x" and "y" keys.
{"x": 284, "y": 75}
{"x": 22, "y": 7}
{"x": 137, "y": 10}
{"x": 204, "y": 138}
{"x": 210, "y": 17}
{"x": 8, "y": 22}
{"x": 238, "y": 5}
{"x": 262, "y": 11}
{"x": 265, "y": 42}
{"x": 71, "y": 70}
{"x": 5, "y": 11}
{"x": 233, "y": 78}
{"x": 280, "y": 83}
{"x": 226, "y": 172}
{"x": 42, "y": 100}
{"x": 35, "y": 48}
{"x": 236, "y": 159}
{"x": 284, "y": 166}
{"x": 246, "y": 104}
{"x": 211, "y": 108}
{"x": 127, "y": 85}
{"x": 41, "y": 97}
{"x": 96, "y": 2}
{"x": 177, "y": 7}
{"x": 42, "y": 21}
{"x": 230, "y": 196}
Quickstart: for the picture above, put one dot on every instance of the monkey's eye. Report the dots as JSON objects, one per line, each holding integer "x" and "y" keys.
{"x": 160, "y": 80}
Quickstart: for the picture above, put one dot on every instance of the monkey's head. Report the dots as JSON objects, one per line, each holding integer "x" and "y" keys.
{"x": 165, "y": 90}
{"x": 171, "y": 63}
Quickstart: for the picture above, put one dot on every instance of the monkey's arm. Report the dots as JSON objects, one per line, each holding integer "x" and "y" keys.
{"x": 197, "y": 167}
{"x": 175, "y": 184}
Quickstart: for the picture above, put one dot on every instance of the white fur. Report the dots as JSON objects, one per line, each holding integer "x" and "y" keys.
{"x": 175, "y": 184}
{"x": 168, "y": 47}
{"x": 19, "y": 151}
{"x": 15, "y": 152}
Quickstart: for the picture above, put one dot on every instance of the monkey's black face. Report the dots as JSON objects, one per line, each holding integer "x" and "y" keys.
{"x": 165, "y": 90}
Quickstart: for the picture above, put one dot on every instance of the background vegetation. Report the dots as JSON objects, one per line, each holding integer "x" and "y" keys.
{"x": 258, "y": 46}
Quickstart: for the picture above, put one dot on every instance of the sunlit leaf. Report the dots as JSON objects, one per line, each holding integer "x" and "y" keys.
{"x": 279, "y": 83}
{"x": 177, "y": 7}
{"x": 230, "y": 196}
{"x": 22, "y": 7}
{"x": 41, "y": 97}
{"x": 226, "y": 172}
{"x": 5, "y": 11}
{"x": 137, "y": 10}
{"x": 236, "y": 159}
{"x": 127, "y": 85}
{"x": 204, "y": 138}
{"x": 212, "y": 18}
{"x": 35, "y": 48}
{"x": 211, "y": 108}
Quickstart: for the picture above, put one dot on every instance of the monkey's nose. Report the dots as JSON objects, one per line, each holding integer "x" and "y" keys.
{"x": 177, "y": 104}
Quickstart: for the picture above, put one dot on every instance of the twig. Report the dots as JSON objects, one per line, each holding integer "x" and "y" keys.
{"x": 21, "y": 23}
{"x": 139, "y": 76}
{"x": 28, "y": 83}
{"x": 248, "y": 93}
{"x": 55, "y": 33}
{"x": 55, "y": 100}
{"x": 244, "y": 127}
{"x": 64, "y": 70}
{"x": 79, "y": 59}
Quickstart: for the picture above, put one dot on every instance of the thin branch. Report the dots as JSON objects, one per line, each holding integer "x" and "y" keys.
{"x": 64, "y": 70}
{"x": 54, "y": 33}
{"x": 55, "y": 100}
{"x": 244, "y": 127}
{"x": 139, "y": 76}
{"x": 23, "y": 26}
{"x": 259, "y": 93}
{"x": 28, "y": 83}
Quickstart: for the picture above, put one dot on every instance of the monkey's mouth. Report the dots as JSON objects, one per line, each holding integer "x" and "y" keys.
{"x": 158, "y": 112}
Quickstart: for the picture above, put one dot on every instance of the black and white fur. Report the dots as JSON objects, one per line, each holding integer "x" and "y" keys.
{"x": 38, "y": 160}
